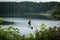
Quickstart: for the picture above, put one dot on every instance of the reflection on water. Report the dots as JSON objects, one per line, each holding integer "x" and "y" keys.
{"x": 22, "y": 24}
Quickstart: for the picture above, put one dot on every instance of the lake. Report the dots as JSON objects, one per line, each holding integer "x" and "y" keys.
{"x": 22, "y": 24}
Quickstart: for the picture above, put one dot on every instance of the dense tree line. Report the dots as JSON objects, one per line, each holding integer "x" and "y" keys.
{"x": 27, "y": 7}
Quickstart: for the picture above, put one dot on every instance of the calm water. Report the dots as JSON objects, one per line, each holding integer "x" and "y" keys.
{"x": 22, "y": 24}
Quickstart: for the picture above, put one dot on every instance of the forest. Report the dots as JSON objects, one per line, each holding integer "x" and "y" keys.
{"x": 30, "y": 10}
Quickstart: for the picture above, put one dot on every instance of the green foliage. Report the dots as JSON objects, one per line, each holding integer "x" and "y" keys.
{"x": 8, "y": 34}
{"x": 1, "y": 19}
{"x": 31, "y": 36}
{"x": 43, "y": 26}
{"x": 11, "y": 33}
{"x": 37, "y": 35}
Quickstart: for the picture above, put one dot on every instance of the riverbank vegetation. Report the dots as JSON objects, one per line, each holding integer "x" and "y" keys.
{"x": 3, "y": 22}
{"x": 11, "y": 33}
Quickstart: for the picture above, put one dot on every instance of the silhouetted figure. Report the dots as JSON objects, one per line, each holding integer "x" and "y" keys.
{"x": 29, "y": 22}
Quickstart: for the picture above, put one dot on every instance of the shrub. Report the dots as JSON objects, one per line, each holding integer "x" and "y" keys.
{"x": 11, "y": 33}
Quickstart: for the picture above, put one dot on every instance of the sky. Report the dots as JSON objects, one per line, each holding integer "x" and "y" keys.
{"x": 28, "y": 0}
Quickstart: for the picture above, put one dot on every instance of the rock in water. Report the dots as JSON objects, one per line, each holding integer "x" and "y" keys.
{"x": 31, "y": 27}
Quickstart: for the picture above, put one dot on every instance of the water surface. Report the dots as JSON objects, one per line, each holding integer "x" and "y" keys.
{"x": 22, "y": 24}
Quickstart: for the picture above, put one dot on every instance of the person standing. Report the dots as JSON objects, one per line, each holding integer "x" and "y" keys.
{"x": 29, "y": 22}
